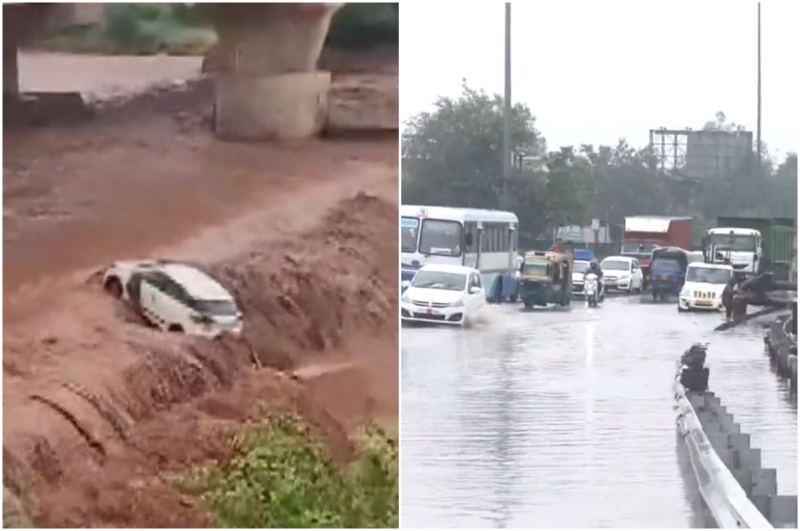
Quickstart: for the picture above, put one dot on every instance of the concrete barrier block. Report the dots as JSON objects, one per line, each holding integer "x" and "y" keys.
{"x": 743, "y": 476}
{"x": 750, "y": 459}
{"x": 726, "y": 422}
{"x": 739, "y": 441}
{"x": 765, "y": 482}
{"x": 762, "y": 503}
{"x": 285, "y": 106}
{"x": 726, "y": 455}
{"x": 783, "y": 511}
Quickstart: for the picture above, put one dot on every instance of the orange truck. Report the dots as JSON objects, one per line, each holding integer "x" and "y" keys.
{"x": 645, "y": 233}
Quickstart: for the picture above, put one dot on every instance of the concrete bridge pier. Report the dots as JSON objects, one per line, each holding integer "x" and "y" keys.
{"x": 266, "y": 82}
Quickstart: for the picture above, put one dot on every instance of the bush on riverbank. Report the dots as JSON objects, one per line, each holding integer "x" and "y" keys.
{"x": 140, "y": 29}
{"x": 283, "y": 477}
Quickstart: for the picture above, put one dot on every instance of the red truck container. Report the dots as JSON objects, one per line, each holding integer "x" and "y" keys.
{"x": 645, "y": 233}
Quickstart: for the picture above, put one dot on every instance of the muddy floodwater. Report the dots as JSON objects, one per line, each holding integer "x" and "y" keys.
{"x": 564, "y": 418}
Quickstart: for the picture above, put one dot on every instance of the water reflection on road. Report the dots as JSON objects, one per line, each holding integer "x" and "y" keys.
{"x": 564, "y": 418}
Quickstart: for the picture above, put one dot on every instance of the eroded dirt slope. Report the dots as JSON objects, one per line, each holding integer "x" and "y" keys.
{"x": 97, "y": 407}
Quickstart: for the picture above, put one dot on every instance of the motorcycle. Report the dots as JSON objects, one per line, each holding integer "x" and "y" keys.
{"x": 590, "y": 289}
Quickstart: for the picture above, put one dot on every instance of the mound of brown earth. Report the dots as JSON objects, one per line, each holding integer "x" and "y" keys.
{"x": 116, "y": 405}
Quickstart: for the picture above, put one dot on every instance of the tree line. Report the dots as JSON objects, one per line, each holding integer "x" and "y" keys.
{"x": 453, "y": 157}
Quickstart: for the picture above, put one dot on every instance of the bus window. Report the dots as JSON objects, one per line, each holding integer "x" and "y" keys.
{"x": 409, "y": 231}
{"x": 440, "y": 237}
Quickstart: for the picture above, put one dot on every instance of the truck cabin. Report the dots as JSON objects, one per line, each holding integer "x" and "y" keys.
{"x": 640, "y": 249}
{"x": 723, "y": 241}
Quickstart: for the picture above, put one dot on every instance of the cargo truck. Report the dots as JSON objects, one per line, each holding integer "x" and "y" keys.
{"x": 752, "y": 245}
{"x": 645, "y": 233}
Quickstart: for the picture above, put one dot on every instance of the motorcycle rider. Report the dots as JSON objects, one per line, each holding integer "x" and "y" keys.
{"x": 595, "y": 269}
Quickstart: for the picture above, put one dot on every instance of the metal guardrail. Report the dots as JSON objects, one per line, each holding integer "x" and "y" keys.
{"x": 725, "y": 498}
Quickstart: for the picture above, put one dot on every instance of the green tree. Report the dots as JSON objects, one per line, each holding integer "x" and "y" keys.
{"x": 452, "y": 156}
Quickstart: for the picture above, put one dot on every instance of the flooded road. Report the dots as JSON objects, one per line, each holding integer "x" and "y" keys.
{"x": 564, "y": 418}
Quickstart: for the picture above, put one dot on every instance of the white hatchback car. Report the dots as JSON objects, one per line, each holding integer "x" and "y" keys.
{"x": 443, "y": 294}
{"x": 622, "y": 273}
{"x": 174, "y": 297}
{"x": 704, "y": 286}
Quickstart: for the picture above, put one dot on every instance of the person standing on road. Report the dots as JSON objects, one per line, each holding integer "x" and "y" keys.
{"x": 727, "y": 298}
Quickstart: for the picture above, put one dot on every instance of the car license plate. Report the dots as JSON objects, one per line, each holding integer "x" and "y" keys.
{"x": 704, "y": 303}
{"x": 431, "y": 311}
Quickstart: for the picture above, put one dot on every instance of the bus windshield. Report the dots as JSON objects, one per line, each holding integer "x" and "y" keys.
{"x": 733, "y": 242}
{"x": 440, "y": 237}
{"x": 708, "y": 275}
{"x": 409, "y": 231}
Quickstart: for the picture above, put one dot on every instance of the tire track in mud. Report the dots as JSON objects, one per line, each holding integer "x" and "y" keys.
{"x": 140, "y": 402}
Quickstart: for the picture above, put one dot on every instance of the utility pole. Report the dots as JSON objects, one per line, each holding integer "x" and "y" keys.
{"x": 507, "y": 111}
{"x": 758, "y": 115}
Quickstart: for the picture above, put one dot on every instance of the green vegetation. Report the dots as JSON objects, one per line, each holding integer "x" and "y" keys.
{"x": 360, "y": 26}
{"x": 141, "y": 29}
{"x": 180, "y": 29}
{"x": 452, "y": 157}
{"x": 283, "y": 477}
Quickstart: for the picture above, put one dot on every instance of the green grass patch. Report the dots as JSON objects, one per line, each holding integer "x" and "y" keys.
{"x": 282, "y": 476}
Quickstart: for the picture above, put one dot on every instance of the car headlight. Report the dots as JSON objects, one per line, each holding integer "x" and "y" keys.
{"x": 459, "y": 302}
{"x": 625, "y": 276}
{"x": 405, "y": 297}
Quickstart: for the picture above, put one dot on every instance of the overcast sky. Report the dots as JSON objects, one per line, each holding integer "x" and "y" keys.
{"x": 595, "y": 71}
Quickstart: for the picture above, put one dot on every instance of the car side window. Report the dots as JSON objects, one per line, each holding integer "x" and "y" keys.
{"x": 176, "y": 291}
{"x": 166, "y": 285}
{"x": 155, "y": 279}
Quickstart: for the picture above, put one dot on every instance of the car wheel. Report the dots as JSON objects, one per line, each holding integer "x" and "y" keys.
{"x": 528, "y": 304}
{"x": 114, "y": 287}
{"x": 680, "y": 310}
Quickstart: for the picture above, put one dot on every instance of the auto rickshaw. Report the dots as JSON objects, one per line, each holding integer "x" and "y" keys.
{"x": 545, "y": 278}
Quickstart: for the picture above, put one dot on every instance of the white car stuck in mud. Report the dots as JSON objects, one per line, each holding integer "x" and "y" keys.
{"x": 704, "y": 286}
{"x": 174, "y": 297}
{"x": 440, "y": 293}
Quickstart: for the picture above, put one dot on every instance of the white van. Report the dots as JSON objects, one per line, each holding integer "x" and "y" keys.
{"x": 703, "y": 287}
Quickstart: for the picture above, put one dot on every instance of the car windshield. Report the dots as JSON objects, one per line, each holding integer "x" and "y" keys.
{"x": 440, "y": 280}
{"x": 215, "y": 307}
{"x": 409, "y": 232}
{"x": 638, "y": 248}
{"x": 666, "y": 265}
{"x": 579, "y": 266}
{"x": 615, "y": 265}
{"x": 440, "y": 237}
{"x": 730, "y": 242}
{"x": 707, "y": 275}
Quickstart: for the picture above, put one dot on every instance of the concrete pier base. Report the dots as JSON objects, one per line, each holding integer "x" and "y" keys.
{"x": 267, "y": 85}
{"x": 284, "y": 107}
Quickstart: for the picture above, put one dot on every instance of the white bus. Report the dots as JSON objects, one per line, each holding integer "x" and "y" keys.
{"x": 483, "y": 239}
